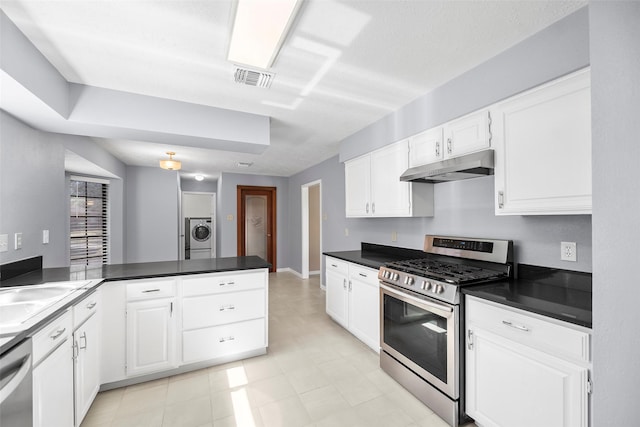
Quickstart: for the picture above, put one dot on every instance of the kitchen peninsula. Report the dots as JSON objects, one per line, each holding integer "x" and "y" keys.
{"x": 130, "y": 323}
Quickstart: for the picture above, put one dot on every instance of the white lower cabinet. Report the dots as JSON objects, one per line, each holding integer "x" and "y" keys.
{"x": 86, "y": 349}
{"x": 515, "y": 376}
{"x": 223, "y": 315}
{"x": 53, "y": 374}
{"x": 353, "y": 299}
{"x": 150, "y": 336}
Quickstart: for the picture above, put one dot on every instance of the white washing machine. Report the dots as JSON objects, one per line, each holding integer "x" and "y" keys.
{"x": 198, "y": 238}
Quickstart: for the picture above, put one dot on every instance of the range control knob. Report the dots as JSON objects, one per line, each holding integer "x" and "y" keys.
{"x": 386, "y": 274}
{"x": 409, "y": 281}
{"x": 395, "y": 277}
{"x": 426, "y": 285}
{"x": 438, "y": 289}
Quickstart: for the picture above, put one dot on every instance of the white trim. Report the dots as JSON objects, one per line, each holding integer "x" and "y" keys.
{"x": 89, "y": 179}
{"x": 304, "y": 200}
{"x": 288, "y": 270}
{"x": 314, "y": 273}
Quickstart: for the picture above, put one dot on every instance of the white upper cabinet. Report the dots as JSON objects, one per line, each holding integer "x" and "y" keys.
{"x": 426, "y": 147}
{"x": 373, "y": 187}
{"x": 467, "y": 134}
{"x": 464, "y": 135}
{"x": 542, "y": 141}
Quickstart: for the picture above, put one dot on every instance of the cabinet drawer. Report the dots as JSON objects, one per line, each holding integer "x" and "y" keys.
{"x": 218, "y": 309}
{"x": 150, "y": 289}
{"x": 85, "y": 308}
{"x": 203, "y": 284}
{"x": 339, "y": 266}
{"x": 225, "y": 340}
{"x": 531, "y": 331}
{"x": 363, "y": 274}
{"x": 51, "y": 336}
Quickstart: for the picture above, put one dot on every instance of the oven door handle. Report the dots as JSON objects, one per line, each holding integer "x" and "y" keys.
{"x": 430, "y": 304}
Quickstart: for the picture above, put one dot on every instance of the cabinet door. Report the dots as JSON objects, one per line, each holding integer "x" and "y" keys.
{"x": 87, "y": 366}
{"x": 337, "y": 297}
{"x": 364, "y": 306}
{"x": 426, "y": 147}
{"x": 150, "y": 336}
{"x": 508, "y": 384}
{"x": 357, "y": 179}
{"x": 467, "y": 134}
{"x": 543, "y": 149}
{"x": 389, "y": 196}
{"x": 53, "y": 389}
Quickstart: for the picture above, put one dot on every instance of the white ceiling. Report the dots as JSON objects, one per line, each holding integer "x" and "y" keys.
{"x": 344, "y": 65}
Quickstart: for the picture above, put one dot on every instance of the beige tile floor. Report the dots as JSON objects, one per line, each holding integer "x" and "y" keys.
{"x": 314, "y": 374}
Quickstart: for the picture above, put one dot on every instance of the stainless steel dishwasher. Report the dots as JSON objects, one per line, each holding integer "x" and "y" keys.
{"x": 16, "y": 400}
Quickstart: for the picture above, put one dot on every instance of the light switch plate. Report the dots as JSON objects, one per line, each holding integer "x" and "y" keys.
{"x": 45, "y": 237}
{"x": 17, "y": 241}
{"x": 4, "y": 242}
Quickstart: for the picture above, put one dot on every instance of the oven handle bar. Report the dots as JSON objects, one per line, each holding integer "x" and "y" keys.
{"x": 434, "y": 305}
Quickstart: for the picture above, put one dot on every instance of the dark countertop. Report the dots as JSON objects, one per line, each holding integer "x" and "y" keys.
{"x": 142, "y": 270}
{"x": 118, "y": 272}
{"x": 559, "y": 294}
{"x": 374, "y": 256}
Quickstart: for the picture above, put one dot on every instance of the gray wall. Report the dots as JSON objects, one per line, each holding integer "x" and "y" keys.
{"x": 34, "y": 194}
{"x": 615, "y": 90}
{"x": 227, "y": 205}
{"x": 151, "y": 214}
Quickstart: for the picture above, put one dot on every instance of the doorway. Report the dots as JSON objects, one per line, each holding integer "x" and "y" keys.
{"x": 311, "y": 197}
{"x": 257, "y": 222}
{"x": 197, "y": 207}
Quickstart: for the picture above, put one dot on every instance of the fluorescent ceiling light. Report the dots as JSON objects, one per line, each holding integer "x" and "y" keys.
{"x": 259, "y": 28}
{"x": 199, "y": 177}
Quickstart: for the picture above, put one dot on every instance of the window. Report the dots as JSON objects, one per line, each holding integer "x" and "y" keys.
{"x": 88, "y": 223}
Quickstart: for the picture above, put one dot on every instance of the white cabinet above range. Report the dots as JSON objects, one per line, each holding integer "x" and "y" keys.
{"x": 373, "y": 187}
{"x": 461, "y": 136}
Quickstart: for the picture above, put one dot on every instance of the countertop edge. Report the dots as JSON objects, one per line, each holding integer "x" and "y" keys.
{"x": 19, "y": 337}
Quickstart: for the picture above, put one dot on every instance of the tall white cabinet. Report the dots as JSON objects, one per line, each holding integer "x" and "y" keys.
{"x": 524, "y": 370}
{"x": 542, "y": 141}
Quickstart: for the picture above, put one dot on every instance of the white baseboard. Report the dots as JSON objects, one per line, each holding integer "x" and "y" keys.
{"x": 288, "y": 270}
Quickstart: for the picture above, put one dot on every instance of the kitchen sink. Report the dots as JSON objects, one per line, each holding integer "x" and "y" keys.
{"x": 21, "y": 303}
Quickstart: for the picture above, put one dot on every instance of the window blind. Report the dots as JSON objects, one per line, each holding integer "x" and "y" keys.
{"x": 88, "y": 224}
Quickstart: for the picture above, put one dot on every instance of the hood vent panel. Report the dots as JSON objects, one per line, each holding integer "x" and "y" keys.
{"x": 253, "y": 78}
{"x": 467, "y": 166}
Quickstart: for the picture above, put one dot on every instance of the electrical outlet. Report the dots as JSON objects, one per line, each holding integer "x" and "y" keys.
{"x": 45, "y": 237}
{"x": 4, "y": 242}
{"x": 394, "y": 236}
{"x": 346, "y": 232}
{"x": 568, "y": 251}
{"x": 229, "y": 217}
{"x": 17, "y": 241}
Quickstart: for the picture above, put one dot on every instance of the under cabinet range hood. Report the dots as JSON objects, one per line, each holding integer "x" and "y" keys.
{"x": 467, "y": 166}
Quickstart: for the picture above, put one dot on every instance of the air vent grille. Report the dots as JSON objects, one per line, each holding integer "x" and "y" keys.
{"x": 253, "y": 78}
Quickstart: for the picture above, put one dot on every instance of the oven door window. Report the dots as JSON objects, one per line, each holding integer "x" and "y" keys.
{"x": 418, "y": 334}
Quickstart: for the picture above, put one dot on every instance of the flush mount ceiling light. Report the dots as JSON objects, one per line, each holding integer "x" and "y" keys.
{"x": 259, "y": 29}
{"x": 172, "y": 165}
{"x": 244, "y": 164}
{"x": 199, "y": 177}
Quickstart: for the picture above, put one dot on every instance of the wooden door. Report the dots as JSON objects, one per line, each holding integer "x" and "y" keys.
{"x": 257, "y": 222}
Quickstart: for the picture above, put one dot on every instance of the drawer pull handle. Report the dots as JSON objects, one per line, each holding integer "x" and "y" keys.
{"x": 362, "y": 274}
{"x": 518, "y": 327}
{"x": 91, "y": 305}
{"x": 227, "y": 307}
{"x": 57, "y": 333}
{"x": 225, "y": 339}
{"x": 146, "y": 291}
{"x": 334, "y": 265}
{"x": 228, "y": 283}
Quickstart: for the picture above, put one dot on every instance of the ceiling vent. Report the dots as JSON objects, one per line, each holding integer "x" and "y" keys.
{"x": 253, "y": 78}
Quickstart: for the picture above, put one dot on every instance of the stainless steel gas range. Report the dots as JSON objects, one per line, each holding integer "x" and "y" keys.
{"x": 422, "y": 312}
